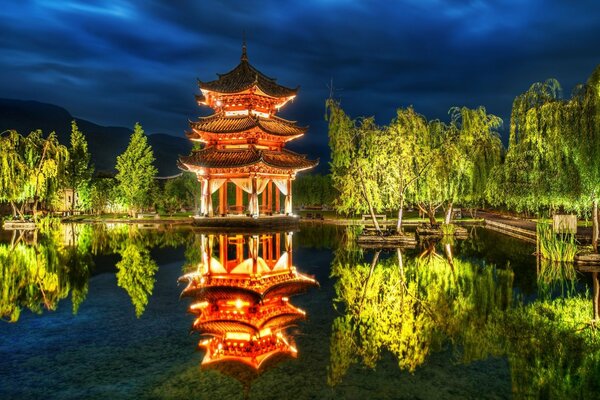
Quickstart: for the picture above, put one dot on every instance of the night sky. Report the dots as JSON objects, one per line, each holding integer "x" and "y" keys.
{"x": 117, "y": 62}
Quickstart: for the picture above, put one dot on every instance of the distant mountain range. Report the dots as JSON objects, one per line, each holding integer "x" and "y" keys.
{"x": 105, "y": 143}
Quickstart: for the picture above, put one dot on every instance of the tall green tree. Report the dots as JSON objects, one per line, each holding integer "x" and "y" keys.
{"x": 31, "y": 169}
{"x": 584, "y": 111}
{"x": 12, "y": 176}
{"x": 402, "y": 150}
{"x": 480, "y": 150}
{"x": 79, "y": 168}
{"x": 136, "y": 171}
{"x": 539, "y": 171}
{"x": 436, "y": 151}
{"x": 180, "y": 192}
{"x": 355, "y": 165}
{"x": 313, "y": 190}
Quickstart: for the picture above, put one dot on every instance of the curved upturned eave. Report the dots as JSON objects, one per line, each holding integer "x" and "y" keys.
{"x": 248, "y": 76}
{"x": 255, "y": 363}
{"x": 245, "y": 123}
{"x": 220, "y": 326}
{"x": 207, "y": 136}
{"x": 300, "y": 284}
{"x": 192, "y": 167}
{"x": 221, "y": 292}
{"x": 288, "y": 317}
{"x": 245, "y": 158}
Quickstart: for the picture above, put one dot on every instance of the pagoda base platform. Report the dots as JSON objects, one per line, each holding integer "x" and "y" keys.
{"x": 277, "y": 222}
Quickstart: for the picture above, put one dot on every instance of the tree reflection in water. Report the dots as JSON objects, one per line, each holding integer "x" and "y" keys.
{"x": 38, "y": 269}
{"x": 412, "y": 306}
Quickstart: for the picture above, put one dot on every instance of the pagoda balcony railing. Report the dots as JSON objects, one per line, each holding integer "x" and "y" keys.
{"x": 265, "y": 210}
{"x": 243, "y": 210}
{"x": 236, "y": 210}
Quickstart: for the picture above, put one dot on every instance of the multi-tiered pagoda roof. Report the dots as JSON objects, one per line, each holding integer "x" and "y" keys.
{"x": 223, "y": 159}
{"x": 245, "y": 77}
{"x": 244, "y": 141}
{"x": 219, "y": 127}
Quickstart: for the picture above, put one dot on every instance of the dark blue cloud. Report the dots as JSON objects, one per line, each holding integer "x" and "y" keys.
{"x": 117, "y": 62}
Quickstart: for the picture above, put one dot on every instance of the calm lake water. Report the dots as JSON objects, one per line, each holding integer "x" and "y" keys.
{"x": 97, "y": 312}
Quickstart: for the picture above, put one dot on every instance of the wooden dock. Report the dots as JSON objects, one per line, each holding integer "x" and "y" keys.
{"x": 18, "y": 226}
{"x": 390, "y": 241}
{"x": 511, "y": 230}
{"x": 588, "y": 262}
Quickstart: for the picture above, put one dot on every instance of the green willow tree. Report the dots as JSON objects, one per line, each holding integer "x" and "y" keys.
{"x": 355, "y": 162}
{"x": 31, "y": 169}
{"x": 404, "y": 162}
{"x": 79, "y": 169}
{"x": 313, "y": 190}
{"x": 481, "y": 146}
{"x": 539, "y": 171}
{"x": 179, "y": 193}
{"x": 550, "y": 163}
{"x": 136, "y": 171}
{"x": 12, "y": 177}
{"x": 584, "y": 113}
{"x": 462, "y": 155}
{"x": 430, "y": 189}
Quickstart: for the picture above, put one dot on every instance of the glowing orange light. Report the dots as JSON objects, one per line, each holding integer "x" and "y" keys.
{"x": 239, "y": 303}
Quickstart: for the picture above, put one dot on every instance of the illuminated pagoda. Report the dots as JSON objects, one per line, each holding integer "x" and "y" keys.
{"x": 244, "y": 144}
{"x": 240, "y": 300}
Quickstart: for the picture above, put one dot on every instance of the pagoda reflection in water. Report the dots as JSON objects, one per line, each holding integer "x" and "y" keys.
{"x": 240, "y": 298}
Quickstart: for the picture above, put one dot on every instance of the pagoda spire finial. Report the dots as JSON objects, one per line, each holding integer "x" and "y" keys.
{"x": 244, "y": 54}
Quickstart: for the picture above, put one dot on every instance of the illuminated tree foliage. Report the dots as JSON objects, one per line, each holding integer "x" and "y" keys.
{"x": 314, "y": 190}
{"x": 480, "y": 145}
{"x": 79, "y": 170}
{"x": 355, "y": 162}
{"x": 439, "y": 152}
{"x": 550, "y": 163}
{"x": 105, "y": 195}
{"x": 136, "y": 172}
{"x": 539, "y": 172}
{"x": 30, "y": 169}
{"x": 405, "y": 160}
{"x": 180, "y": 193}
{"x": 584, "y": 113}
{"x": 462, "y": 155}
{"x": 412, "y": 161}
